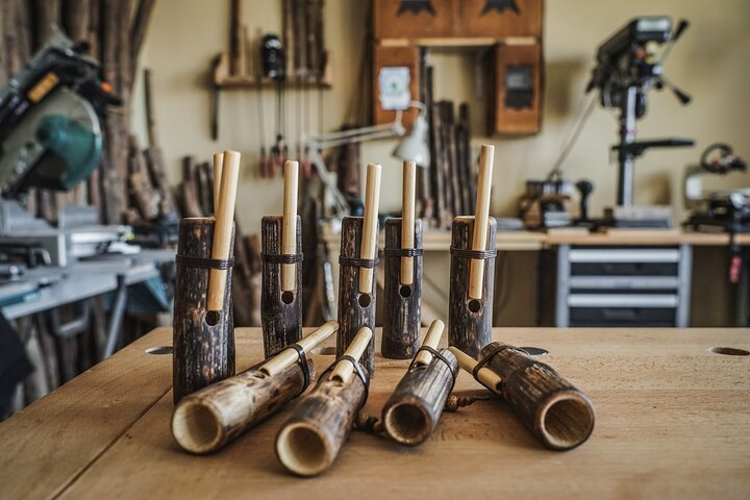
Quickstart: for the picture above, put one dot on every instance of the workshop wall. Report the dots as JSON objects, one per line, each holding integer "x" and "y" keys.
{"x": 710, "y": 62}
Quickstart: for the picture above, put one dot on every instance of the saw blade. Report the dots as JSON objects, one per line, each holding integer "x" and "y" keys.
{"x": 22, "y": 150}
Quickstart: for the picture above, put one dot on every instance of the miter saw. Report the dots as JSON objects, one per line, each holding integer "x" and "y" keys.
{"x": 50, "y": 137}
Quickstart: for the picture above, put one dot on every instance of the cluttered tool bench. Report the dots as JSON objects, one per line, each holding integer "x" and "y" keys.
{"x": 107, "y": 432}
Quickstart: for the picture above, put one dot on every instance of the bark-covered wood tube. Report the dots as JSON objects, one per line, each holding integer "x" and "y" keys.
{"x": 560, "y": 415}
{"x": 281, "y": 311}
{"x": 355, "y": 309}
{"x": 470, "y": 320}
{"x": 401, "y": 306}
{"x": 208, "y": 419}
{"x": 413, "y": 410}
{"x": 311, "y": 439}
{"x": 203, "y": 354}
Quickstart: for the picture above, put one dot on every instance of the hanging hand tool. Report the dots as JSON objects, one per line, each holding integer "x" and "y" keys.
{"x": 274, "y": 67}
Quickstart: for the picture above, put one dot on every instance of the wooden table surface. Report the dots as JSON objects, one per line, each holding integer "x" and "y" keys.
{"x": 673, "y": 421}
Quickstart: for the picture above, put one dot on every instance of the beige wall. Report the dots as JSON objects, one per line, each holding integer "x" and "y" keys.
{"x": 710, "y": 62}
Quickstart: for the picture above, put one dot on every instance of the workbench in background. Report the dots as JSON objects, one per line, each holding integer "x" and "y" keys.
{"x": 672, "y": 422}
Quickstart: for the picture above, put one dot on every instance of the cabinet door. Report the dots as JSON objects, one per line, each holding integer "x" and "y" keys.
{"x": 410, "y": 19}
{"x": 519, "y": 84}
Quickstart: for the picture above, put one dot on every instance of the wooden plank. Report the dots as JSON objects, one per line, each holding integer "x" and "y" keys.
{"x": 50, "y": 443}
{"x": 673, "y": 421}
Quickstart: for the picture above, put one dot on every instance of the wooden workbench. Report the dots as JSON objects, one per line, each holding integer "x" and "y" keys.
{"x": 673, "y": 421}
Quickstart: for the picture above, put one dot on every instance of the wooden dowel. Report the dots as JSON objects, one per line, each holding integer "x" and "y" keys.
{"x": 486, "y": 376}
{"x": 482, "y": 213}
{"x": 431, "y": 339}
{"x": 289, "y": 356}
{"x": 289, "y": 225}
{"x": 223, "y": 230}
{"x": 218, "y": 164}
{"x": 344, "y": 371}
{"x": 407, "y": 220}
{"x": 369, "y": 249}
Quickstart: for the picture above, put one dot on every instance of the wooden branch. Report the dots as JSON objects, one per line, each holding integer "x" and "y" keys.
{"x": 560, "y": 416}
{"x": 289, "y": 225}
{"x": 75, "y": 17}
{"x": 140, "y": 28}
{"x": 408, "y": 208}
{"x": 479, "y": 238}
{"x": 369, "y": 248}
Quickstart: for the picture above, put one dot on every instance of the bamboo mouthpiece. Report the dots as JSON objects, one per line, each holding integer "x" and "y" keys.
{"x": 344, "y": 371}
{"x": 431, "y": 339}
{"x": 289, "y": 225}
{"x": 218, "y": 165}
{"x": 487, "y": 377}
{"x": 481, "y": 218}
{"x": 223, "y": 230}
{"x": 290, "y": 356}
{"x": 408, "y": 210}
{"x": 368, "y": 249}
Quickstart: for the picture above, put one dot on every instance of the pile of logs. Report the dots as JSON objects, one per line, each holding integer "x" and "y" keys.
{"x": 115, "y": 30}
{"x": 195, "y": 197}
{"x": 447, "y": 188}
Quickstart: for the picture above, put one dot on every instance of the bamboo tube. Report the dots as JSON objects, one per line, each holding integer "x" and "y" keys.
{"x": 407, "y": 220}
{"x": 369, "y": 247}
{"x": 431, "y": 339}
{"x": 487, "y": 377}
{"x": 482, "y": 213}
{"x": 289, "y": 356}
{"x": 309, "y": 442}
{"x": 557, "y": 413}
{"x": 289, "y": 225}
{"x": 412, "y": 412}
{"x": 218, "y": 164}
{"x": 209, "y": 418}
{"x": 344, "y": 371}
{"x": 223, "y": 231}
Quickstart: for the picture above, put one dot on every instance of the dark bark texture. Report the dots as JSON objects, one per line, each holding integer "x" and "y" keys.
{"x": 281, "y": 312}
{"x": 470, "y": 320}
{"x": 412, "y": 412}
{"x": 203, "y": 353}
{"x": 355, "y": 309}
{"x": 402, "y": 304}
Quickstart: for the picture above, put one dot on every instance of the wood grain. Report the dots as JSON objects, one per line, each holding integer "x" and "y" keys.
{"x": 673, "y": 422}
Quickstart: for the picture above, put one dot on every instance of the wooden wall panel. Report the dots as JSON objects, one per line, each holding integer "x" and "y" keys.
{"x": 483, "y": 18}
{"x": 392, "y": 20}
{"x": 505, "y": 119}
{"x": 395, "y": 56}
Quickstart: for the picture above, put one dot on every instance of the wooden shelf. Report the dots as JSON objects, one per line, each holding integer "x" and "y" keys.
{"x": 457, "y": 41}
{"x": 222, "y": 79}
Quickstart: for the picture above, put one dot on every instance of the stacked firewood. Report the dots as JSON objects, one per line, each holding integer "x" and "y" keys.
{"x": 447, "y": 188}
{"x": 115, "y": 30}
{"x": 195, "y": 196}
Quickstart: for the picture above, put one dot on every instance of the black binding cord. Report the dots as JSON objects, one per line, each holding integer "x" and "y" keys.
{"x": 481, "y": 363}
{"x": 439, "y": 356}
{"x": 302, "y": 362}
{"x": 403, "y": 252}
{"x": 203, "y": 263}
{"x": 290, "y": 258}
{"x": 474, "y": 254}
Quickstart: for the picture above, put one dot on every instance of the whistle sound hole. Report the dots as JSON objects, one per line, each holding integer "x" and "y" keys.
{"x": 730, "y": 351}
{"x": 406, "y": 423}
{"x": 475, "y": 306}
{"x": 364, "y": 300}
{"x": 405, "y": 291}
{"x": 212, "y": 318}
{"x": 287, "y": 297}
{"x": 302, "y": 450}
